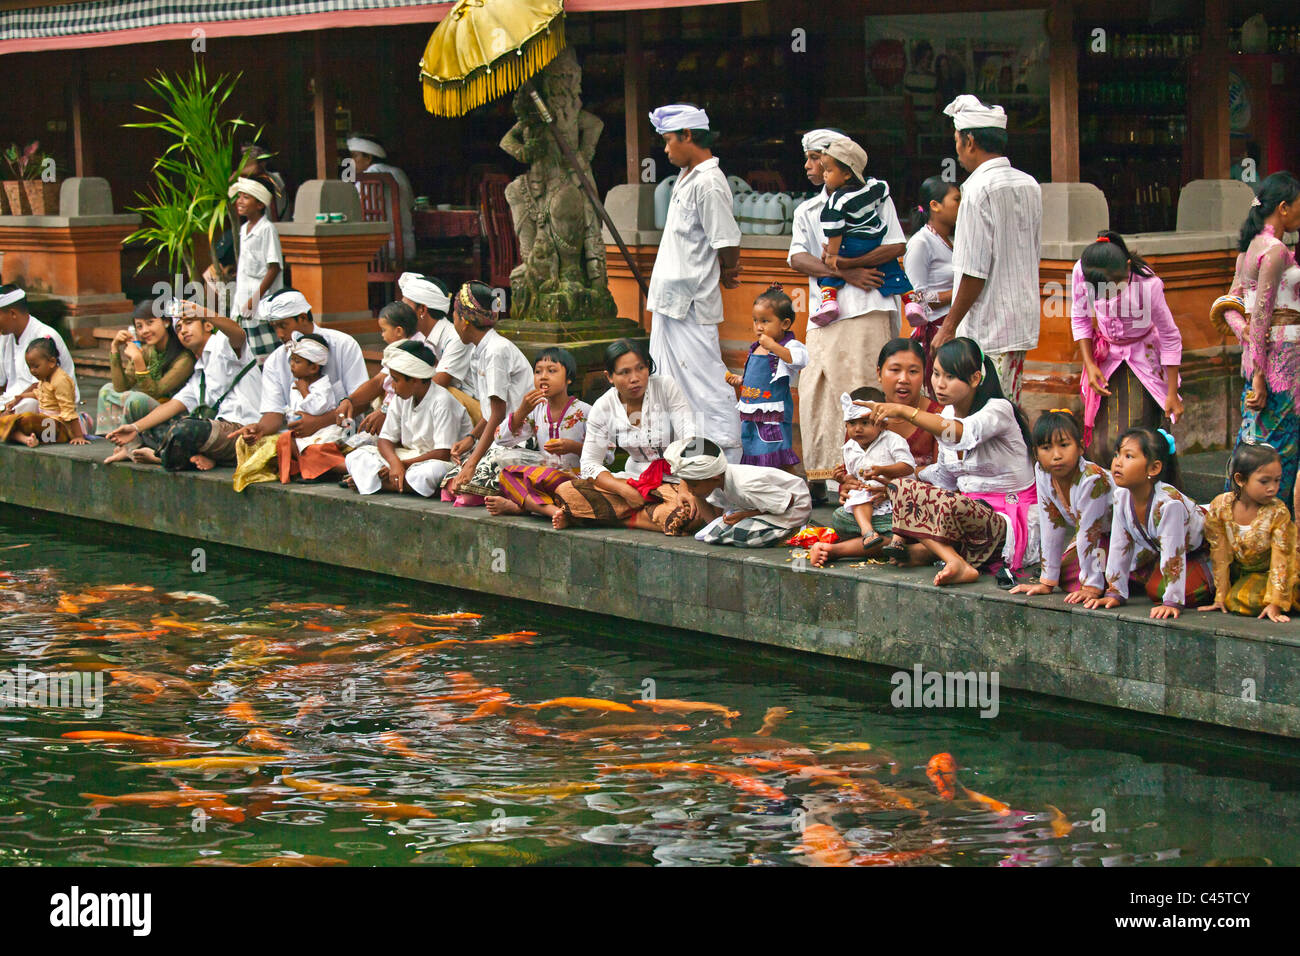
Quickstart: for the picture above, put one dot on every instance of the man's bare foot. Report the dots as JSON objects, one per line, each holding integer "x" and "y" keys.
{"x": 956, "y": 572}
{"x": 819, "y": 553}
{"x": 31, "y": 441}
{"x": 202, "y": 462}
{"x": 560, "y": 520}
{"x": 119, "y": 454}
{"x": 497, "y": 505}
{"x": 145, "y": 456}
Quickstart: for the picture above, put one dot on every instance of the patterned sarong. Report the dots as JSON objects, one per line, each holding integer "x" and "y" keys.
{"x": 755, "y": 532}
{"x": 535, "y": 483}
{"x": 971, "y": 528}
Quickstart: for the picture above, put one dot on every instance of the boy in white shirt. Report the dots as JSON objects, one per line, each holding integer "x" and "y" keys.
{"x": 260, "y": 262}
{"x": 760, "y": 505}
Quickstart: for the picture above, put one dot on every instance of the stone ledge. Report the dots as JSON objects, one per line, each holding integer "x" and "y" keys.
{"x": 1232, "y": 672}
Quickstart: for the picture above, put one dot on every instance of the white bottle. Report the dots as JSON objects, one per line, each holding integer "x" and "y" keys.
{"x": 663, "y": 197}
{"x": 785, "y": 207}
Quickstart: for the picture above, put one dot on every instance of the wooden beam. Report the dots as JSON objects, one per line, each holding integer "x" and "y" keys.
{"x": 634, "y": 99}
{"x": 322, "y": 110}
{"x": 1063, "y": 61}
{"x": 77, "y": 115}
{"x": 1212, "y": 112}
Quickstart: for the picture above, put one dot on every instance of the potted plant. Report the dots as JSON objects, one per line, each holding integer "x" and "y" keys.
{"x": 35, "y": 195}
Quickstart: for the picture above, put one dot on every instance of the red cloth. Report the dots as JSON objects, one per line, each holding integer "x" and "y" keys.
{"x": 651, "y": 478}
{"x": 312, "y": 462}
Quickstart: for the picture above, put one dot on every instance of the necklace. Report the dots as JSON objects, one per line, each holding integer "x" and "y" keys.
{"x": 946, "y": 241}
{"x": 553, "y": 426}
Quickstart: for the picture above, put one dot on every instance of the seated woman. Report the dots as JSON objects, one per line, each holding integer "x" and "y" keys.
{"x": 643, "y": 414}
{"x": 972, "y": 507}
{"x": 558, "y": 422}
{"x": 144, "y": 374}
{"x": 901, "y": 367}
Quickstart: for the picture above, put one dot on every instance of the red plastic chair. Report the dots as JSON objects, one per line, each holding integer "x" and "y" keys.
{"x": 379, "y": 194}
{"x": 765, "y": 181}
{"x": 499, "y": 226}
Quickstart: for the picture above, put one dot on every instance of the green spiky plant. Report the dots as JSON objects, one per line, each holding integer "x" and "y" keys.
{"x": 191, "y": 177}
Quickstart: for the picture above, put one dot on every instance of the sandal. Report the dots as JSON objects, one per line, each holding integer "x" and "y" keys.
{"x": 894, "y": 551}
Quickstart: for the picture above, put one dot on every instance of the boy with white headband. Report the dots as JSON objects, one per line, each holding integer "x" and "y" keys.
{"x": 760, "y": 505}
{"x": 260, "y": 261}
{"x": 996, "y": 297}
{"x": 365, "y": 149}
{"x": 19, "y": 329}
{"x": 700, "y": 250}
{"x": 312, "y": 392}
{"x": 431, "y": 301}
{"x": 413, "y": 452}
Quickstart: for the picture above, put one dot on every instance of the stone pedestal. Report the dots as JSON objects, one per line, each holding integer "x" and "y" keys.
{"x": 329, "y": 261}
{"x": 73, "y": 258}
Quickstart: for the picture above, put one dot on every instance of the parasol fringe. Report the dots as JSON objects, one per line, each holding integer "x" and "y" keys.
{"x": 505, "y": 75}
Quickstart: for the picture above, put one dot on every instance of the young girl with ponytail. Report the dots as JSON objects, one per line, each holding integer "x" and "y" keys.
{"x": 766, "y": 404}
{"x": 1132, "y": 353}
{"x": 928, "y": 261}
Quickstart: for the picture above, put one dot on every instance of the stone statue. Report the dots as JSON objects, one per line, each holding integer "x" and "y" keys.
{"x": 561, "y": 276}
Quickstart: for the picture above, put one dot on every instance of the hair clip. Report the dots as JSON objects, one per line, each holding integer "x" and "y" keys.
{"x": 1255, "y": 202}
{"x": 1173, "y": 450}
{"x": 1063, "y": 411}
{"x": 1103, "y": 238}
{"x": 920, "y": 209}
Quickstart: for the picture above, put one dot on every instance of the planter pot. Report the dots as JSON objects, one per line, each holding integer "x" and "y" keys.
{"x": 4, "y": 204}
{"x": 42, "y": 197}
{"x": 18, "y": 204}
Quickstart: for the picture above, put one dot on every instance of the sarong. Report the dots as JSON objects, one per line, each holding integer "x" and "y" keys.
{"x": 308, "y": 462}
{"x": 535, "y": 483}
{"x": 253, "y": 461}
{"x": 41, "y": 424}
{"x": 755, "y": 532}
{"x": 424, "y": 478}
{"x": 841, "y": 357}
{"x": 1199, "y": 586}
{"x": 1129, "y": 404}
{"x": 1278, "y": 425}
{"x": 1010, "y": 367}
{"x": 846, "y": 526}
{"x": 582, "y": 501}
{"x": 1248, "y": 588}
{"x": 970, "y": 527}
{"x": 691, "y": 355}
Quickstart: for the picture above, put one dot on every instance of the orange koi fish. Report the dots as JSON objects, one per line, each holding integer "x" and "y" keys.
{"x": 398, "y": 744}
{"x": 310, "y": 705}
{"x": 175, "y": 624}
{"x": 137, "y": 741}
{"x": 138, "y": 588}
{"x": 151, "y": 686}
{"x": 942, "y": 771}
{"x": 1060, "y": 823}
{"x": 115, "y": 622}
{"x": 388, "y": 810}
{"x": 663, "y": 706}
{"x": 529, "y": 729}
{"x": 322, "y": 790}
{"x": 402, "y": 653}
{"x": 467, "y": 696}
{"x": 644, "y": 731}
{"x": 463, "y": 679}
{"x": 213, "y": 764}
{"x": 773, "y": 717}
{"x": 735, "y": 778}
{"x": 304, "y": 606}
{"x": 997, "y": 806}
{"x": 297, "y": 672}
{"x": 762, "y": 745}
{"x": 128, "y": 635}
{"x": 582, "y": 703}
{"x": 895, "y": 857}
{"x": 259, "y": 738}
{"x": 816, "y": 774}
{"x": 318, "y": 627}
{"x": 453, "y": 616}
{"x": 210, "y": 802}
{"x": 242, "y": 710}
{"x": 822, "y": 845}
{"x": 307, "y": 860}
{"x": 515, "y": 637}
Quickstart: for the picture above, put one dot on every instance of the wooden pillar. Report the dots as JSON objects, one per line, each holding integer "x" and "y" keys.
{"x": 1064, "y": 96}
{"x": 1210, "y": 106}
{"x": 323, "y": 110}
{"x": 634, "y": 99}
{"x": 77, "y": 114}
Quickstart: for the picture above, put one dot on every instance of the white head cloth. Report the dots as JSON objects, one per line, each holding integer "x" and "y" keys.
{"x": 689, "y": 463}
{"x": 404, "y": 278}
{"x": 678, "y": 116}
{"x": 287, "y": 304}
{"x": 252, "y": 187}
{"x": 9, "y": 298}
{"x": 311, "y": 350}
{"x": 398, "y": 359}
{"x": 816, "y": 140}
{"x": 852, "y": 412}
{"x": 357, "y": 144}
{"x": 968, "y": 112}
{"x": 421, "y": 290}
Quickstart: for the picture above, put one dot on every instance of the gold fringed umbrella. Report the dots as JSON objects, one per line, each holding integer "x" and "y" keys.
{"x": 485, "y": 49}
{"x": 488, "y": 48}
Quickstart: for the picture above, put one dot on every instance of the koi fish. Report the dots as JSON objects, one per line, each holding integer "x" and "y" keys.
{"x": 453, "y": 616}
{"x": 138, "y": 741}
{"x": 895, "y": 857}
{"x": 198, "y": 597}
{"x": 151, "y": 686}
{"x": 294, "y": 608}
{"x": 321, "y": 789}
{"x": 311, "y": 705}
{"x": 645, "y": 731}
{"x": 664, "y": 706}
{"x": 822, "y": 845}
{"x": 942, "y": 771}
{"x": 210, "y": 802}
{"x": 463, "y": 679}
{"x": 351, "y": 651}
{"x": 735, "y": 778}
{"x": 247, "y": 763}
{"x": 529, "y": 729}
{"x": 307, "y": 860}
{"x": 515, "y": 637}
{"x": 402, "y": 653}
{"x": 89, "y": 666}
{"x": 831, "y": 748}
{"x": 388, "y": 810}
{"x": 773, "y": 717}
{"x": 547, "y": 789}
{"x": 491, "y": 707}
{"x": 128, "y": 635}
{"x": 465, "y": 696}
{"x": 582, "y": 703}
{"x": 318, "y": 627}
{"x": 1060, "y": 824}
{"x": 139, "y": 588}
{"x": 115, "y": 622}
{"x": 775, "y": 745}
{"x": 296, "y": 672}
{"x": 174, "y": 624}
{"x": 816, "y": 774}
{"x": 398, "y": 744}
{"x": 259, "y": 738}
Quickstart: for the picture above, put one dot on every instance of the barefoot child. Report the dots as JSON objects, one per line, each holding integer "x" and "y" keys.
{"x": 1075, "y": 497}
{"x": 874, "y": 456}
{"x": 1156, "y": 532}
{"x": 56, "y": 418}
{"x": 1252, "y": 539}
{"x": 558, "y": 422}
{"x": 772, "y": 369}
{"x": 413, "y": 452}
{"x": 760, "y": 505}
{"x": 260, "y": 262}
{"x": 312, "y": 392}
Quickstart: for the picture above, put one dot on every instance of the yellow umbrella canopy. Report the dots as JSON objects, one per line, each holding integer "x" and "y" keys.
{"x": 487, "y": 48}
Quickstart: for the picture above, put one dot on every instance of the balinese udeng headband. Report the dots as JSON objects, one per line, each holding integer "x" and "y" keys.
{"x": 690, "y": 462}
{"x": 468, "y": 310}
{"x": 851, "y": 411}
{"x": 252, "y": 187}
{"x": 968, "y": 112}
{"x": 359, "y": 144}
{"x": 311, "y": 350}
{"x": 421, "y": 290}
{"x": 405, "y": 357}
{"x": 285, "y": 304}
{"x": 1173, "y": 449}
{"x": 816, "y": 140}
{"x": 678, "y": 116}
{"x": 9, "y": 298}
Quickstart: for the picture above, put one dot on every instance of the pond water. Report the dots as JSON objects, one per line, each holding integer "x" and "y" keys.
{"x": 363, "y": 721}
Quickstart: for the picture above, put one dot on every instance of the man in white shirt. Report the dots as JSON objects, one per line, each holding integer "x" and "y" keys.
{"x": 18, "y": 329}
{"x": 289, "y": 314}
{"x": 226, "y": 383}
{"x": 995, "y": 250}
{"x": 365, "y": 149}
{"x": 842, "y": 354}
{"x": 700, "y": 249}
